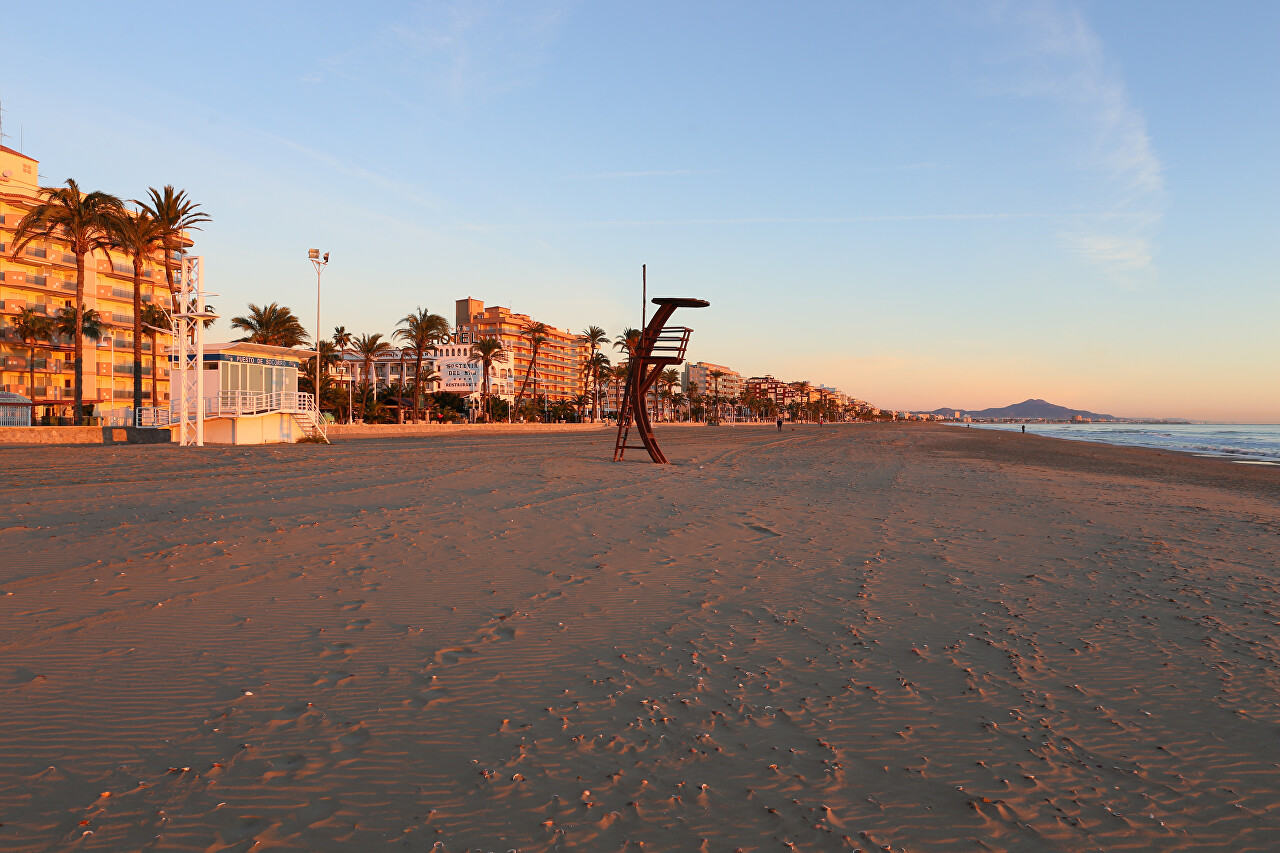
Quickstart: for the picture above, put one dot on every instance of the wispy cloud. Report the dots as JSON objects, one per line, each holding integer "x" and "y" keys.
{"x": 453, "y": 50}
{"x": 382, "y": 182}
{"x": 762, "y": 220}
{"x": 656, "y": 173}
{"x": 1059, "y": 58}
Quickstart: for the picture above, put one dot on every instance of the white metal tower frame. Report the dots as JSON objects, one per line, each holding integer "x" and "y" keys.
{"x": 188, "y": 348}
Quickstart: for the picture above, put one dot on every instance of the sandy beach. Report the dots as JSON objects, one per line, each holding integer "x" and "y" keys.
{"x": 831, "y": 638}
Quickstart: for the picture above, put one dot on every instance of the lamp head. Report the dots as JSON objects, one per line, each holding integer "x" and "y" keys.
{"x": 313, "y": 254}
{"x": 326, "y": 257}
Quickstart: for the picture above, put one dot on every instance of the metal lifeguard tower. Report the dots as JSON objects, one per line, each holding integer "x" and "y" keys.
{"x": 660, "y": 346}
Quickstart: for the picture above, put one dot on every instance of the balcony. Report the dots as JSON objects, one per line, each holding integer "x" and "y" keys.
{"x": 127, "y": 369}
{"x": 37, "y": 253}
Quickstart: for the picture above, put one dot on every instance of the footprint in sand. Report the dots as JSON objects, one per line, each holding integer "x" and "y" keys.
{"x": 355, "y": 738}
{"x": 358, "y": 624}
{"x": 331, "y": 678}
{"x": 292, "y": 711}
{"x": 351, "y": 605}
{"x": 316, "y": 811}
{"x": 244, "y": 828}
{"x": 760, "y": 528}
{"x": 454, "y": 655}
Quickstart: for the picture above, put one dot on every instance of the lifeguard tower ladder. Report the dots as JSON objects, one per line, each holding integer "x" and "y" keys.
{"x": 660, "y": 346}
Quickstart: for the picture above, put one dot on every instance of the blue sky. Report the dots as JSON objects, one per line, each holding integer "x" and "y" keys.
{"x": 924, "y": 204}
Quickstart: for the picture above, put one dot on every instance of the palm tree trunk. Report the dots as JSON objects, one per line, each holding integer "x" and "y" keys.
{"x": 137, "y": 335}
{"x": 155, "y": 374}
{"x": 168, "y": 279}
{"x": 524, "y": 384}
{"x": 417, "y": 382}
{"x": 31, "y": 383}
{"x": 79, "y": 341}
{"x": 484, "y": 386}
{"x": 595, "y": 387}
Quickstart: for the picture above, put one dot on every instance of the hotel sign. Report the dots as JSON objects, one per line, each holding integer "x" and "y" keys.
{"x": 458, "y": 375}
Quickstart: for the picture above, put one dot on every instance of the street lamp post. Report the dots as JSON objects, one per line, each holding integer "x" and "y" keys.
{"x": 316, "y": 261}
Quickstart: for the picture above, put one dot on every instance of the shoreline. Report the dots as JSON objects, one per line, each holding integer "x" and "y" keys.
{"x": 1084, "y": 433}
{"x": 895, "y": 635}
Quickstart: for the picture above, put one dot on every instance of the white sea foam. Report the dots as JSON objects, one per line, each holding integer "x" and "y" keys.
{"x": 1241, "y": 442}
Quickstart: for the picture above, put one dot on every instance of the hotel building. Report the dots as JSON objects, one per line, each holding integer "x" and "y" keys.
{"x": 452, "y": 361}
{"x": 43, "y": 277}
{"x": 560, "y": 358}
{"x": 728, "y": 387}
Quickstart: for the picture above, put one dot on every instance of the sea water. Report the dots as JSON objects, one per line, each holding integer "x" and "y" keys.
{"x": 1258, "y": 443}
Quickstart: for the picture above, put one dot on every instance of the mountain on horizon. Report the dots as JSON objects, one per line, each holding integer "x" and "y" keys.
{"x": 1027, "y": 410}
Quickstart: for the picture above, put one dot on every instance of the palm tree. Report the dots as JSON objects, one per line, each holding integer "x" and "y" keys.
{"x": 421, "y": 330}
{"x": 32, "y": 327}
{"x": 80, "y": 220}
{"x": 594, "y": 336}
{"x": 272, "y": 325}
{"x": 486, "y": 351}
{"x": 153, "y": 317}
{"x": 425, "y": 378}
{"x": 670, "y": 378}
{"x": 536, "y": 334}
{"x": 139, "y": 236}
{"x": 89, "y": 326}
{"x": 580, "y": 403}
{"x": 716, "y": 376}
{"x": 620, "y": 372}
{"x": 628, "y": 342}
{"x": 602, "y": 376}
{"x": 594, "y": 370}
{"x": 802, "y": 391}
{"x": 369, "y": 347}
{"x": 175, "y": 214}
{"x": 328, "y": 355}
{"x": 342, "y": 340}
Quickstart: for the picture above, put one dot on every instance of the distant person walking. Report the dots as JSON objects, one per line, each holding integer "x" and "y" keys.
{"x": 779, "y": 423}
{"x": 1024, "y": 427}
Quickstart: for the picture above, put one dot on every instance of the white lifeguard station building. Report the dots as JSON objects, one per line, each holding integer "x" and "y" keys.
{"x": 248, "y": 395}
{"x": 251, "y": 395}
{"x": 236, "y": 393}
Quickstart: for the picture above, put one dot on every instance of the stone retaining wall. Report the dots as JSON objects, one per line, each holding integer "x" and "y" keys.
{"x": 82, "y": 435}
{"x": 337, "y": 431}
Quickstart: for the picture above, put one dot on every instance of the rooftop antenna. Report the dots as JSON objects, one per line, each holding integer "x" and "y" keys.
{"x": 3, "y": 135}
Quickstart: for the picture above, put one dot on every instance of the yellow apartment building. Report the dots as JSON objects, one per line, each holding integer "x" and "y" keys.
{"x": 560, "y": 359}
{"x": 43, "y": 277}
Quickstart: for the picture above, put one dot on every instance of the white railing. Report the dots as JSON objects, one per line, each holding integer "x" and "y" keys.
{"x": 150, "y": 417}
{"x": 230, "y": 404}
{"x": 234, "y": 404}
